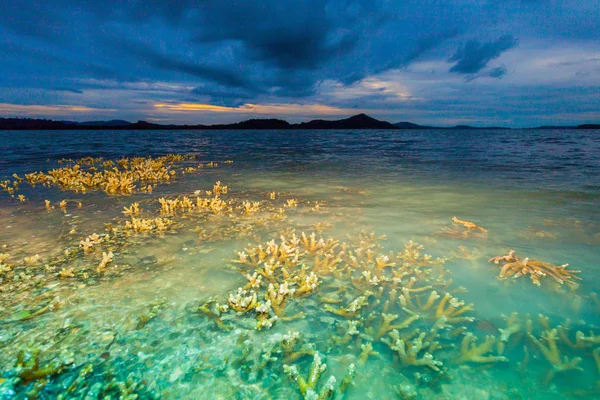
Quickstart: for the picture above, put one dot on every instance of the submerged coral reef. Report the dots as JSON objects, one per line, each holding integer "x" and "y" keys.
{"x": 311, "y": 305}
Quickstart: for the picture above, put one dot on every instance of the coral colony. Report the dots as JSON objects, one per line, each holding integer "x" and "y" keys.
{"x": 381, "y": 310}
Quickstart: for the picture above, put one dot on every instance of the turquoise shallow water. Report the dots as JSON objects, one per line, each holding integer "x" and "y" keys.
{"x": 534, "y": 191}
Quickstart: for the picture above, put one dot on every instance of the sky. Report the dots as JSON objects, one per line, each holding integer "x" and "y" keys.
{"x": 517, "y": 63}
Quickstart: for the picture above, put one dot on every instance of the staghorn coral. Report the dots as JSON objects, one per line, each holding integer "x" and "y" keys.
{"x": 448, "y": 306}
{"x": 352, "y": 310}
{"x": 366, "y": 352}
{"x": 581, "y": 340}
{"x": 513, "y": 326}
{"x": 471, "y": 352}
{"x": 387, "y": 326}
{"x": 213, "y": 309}
{"x": 118, "y": 178}
{"x": 91, "y": 241}
{"x": 106, "y": 259}
{"x": 469, "y": 225}
{"x": 243, "y": 301}
{"x": 291, "y": 348}
{"x": 412, "y": 352}
{"x": 308, "y": 387}
{"x": 250, "y": 207}
{"x": 278, "y": 295}
{"x": 307, "y": 286}
{"x": 142, "y": 225}
{"x": 517, "y": 267}
{"x": 133, "y": 210}
{"x": 553, "y": 355}
{"x": 464, "y": 230}
{"x": 350, "y": 333}
{"x": 313, "y": 246}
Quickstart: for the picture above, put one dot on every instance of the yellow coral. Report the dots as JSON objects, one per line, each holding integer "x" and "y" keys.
{"x": 471, "y": 352}
{"x": 413, "y": 353}
{"x": 134, "y": 209}
{"x": 552, "y": 354}
{"x": 106, "y": 259}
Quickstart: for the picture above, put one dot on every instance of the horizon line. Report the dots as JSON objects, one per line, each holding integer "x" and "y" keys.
{"x": 105, "y": 123}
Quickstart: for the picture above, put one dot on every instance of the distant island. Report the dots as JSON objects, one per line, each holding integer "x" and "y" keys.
{"x": 360, "y": 121}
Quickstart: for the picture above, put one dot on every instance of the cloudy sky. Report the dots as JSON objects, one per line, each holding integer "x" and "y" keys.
{"x": 502, "y": 62}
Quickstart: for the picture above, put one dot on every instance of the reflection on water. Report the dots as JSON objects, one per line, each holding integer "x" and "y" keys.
{"x": 216, "y": 293}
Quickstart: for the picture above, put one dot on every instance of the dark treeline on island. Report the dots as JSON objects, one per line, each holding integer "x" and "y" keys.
{"x": 360, "y": 121}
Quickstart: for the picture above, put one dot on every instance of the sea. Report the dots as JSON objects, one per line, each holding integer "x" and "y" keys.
{"x": 241, "y": 301}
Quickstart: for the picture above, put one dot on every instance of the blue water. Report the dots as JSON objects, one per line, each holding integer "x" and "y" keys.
{"x": 535, "y": 191}
{"x": 536, "y": 159}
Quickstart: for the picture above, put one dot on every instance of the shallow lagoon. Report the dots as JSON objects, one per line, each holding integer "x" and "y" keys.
{"x": 145, "y": 323}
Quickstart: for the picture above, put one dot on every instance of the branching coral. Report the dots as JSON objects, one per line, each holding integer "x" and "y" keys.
{"x": 352, "y": 310}
{"x": 366, "y": 352}
{"x": 312, "y": 245}
{"x": 250, "y": 207}
{"x": 278, "y": 296}
{"x": 308, "y": 387}
{"x": 291, "y": 349}
{"x": 513, "y": 325}
{"x": 448, "y": 307}
{"x": 142, "y": 225}
{"x": 553, "y": 355}
{"x": 213, "y": 309}
{"x": 413, "y": 352}
{"x": 517, "y": 267}
{"x": 387, "y": 326}
{"x": 468, "y": 225}
{"x": 118, "y": 178}
{"x": 243, "y": 301}
{"x": 134, "y": 209}
{"x": 472, "y": 352}
{"x": 106, "y": 259}
{"x": 91, "y": 241}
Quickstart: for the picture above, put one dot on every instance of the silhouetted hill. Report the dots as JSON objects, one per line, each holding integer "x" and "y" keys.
{"x": 408, "y": 125}
{"x": 112, "y": 122}
{"x": 588, "y": 126}
{"x": 360, "y": 121}
{"x": 255, "y": 124}
{"x": 32, "y": 123}
{"x": 584, "y": 126}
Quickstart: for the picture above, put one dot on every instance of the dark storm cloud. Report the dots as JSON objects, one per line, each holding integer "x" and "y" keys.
{"x": 474, "y": 56}
{"x": 145, "y": 53}
{"x": 289, "y": 34}
{"x": 426, "y": 43}
{"x": 231, "y": 52}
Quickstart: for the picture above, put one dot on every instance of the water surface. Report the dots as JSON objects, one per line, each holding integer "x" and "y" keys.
{"x": 534, "y": 191}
